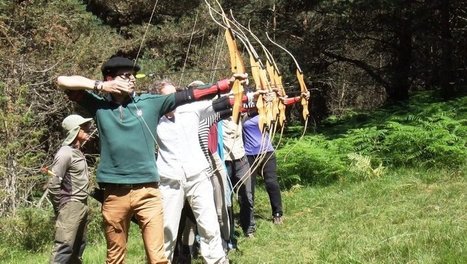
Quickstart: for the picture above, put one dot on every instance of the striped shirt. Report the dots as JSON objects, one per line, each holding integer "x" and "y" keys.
{"x": 205, "y": 126}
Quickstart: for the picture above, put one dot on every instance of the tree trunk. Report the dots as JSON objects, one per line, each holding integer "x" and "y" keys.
{"x": 399, "y": 90}
{"x": 446, "y": 74}
{"x": 10, "y": 202}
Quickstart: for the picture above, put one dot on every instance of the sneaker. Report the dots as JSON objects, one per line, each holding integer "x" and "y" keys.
{"x": 250, "y": 235}
{"x": 277, "y": 219}
{"x": 231, "y": 245}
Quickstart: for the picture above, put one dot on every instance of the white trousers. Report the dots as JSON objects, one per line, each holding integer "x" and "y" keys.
{"x": 199, "y": 193}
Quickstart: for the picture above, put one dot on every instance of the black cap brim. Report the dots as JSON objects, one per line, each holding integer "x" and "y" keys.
{"x": 116, "y": 63}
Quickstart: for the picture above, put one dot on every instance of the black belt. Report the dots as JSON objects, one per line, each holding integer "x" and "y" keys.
{"x": 130, "y": 185}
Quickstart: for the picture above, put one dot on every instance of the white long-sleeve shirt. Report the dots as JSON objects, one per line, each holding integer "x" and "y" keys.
{"x": 180, "y": 153}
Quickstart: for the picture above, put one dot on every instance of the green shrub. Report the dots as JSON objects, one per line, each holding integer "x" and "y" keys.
{"x": 311, "y": 160}
{"x": 362, "y": 167}
{"x": 422, "y": 134}
{"x": 31, "y": 229}
{"x": 95, "y": 232}
{"x": 424, "y": 145}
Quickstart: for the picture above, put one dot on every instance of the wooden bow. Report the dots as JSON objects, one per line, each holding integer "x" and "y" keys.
{"x": 301, "y": 81}
{"x": 236, "y": 62}
{"x": 260, "y": 77}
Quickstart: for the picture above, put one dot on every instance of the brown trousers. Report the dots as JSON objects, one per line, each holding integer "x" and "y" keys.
{"x": 143, "y": 202}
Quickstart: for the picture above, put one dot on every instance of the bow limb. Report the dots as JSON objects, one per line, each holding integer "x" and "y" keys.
{"x": 234, "y": 57}
{"x": 265, "y": 108}
{"x": 278, "y": 106}
{"x": 277, "y": 109}
{"x": 301, "y": 81}
{"x": 276, "y": 76}
{"x": 237, "y": 66}
{"x": 260, "y": 83}
{"x": 303, "y": 90}
{"x": 276, "y": 81}
{"x": 281, "y": 106}
{"x": 236, "y": 62}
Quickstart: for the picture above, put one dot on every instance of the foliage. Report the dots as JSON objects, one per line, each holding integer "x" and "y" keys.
{"x": 21, "y": 137}
{"x": 361, "y": 166}
{"x": 309, "y": 161}
{"x": 426, "y": 135}
{"x": 422, "y": 133}
{"x": 349, "y": 63}
{"x": 95, "y": 232}
{"x": 33, "y": 52}
{"x": 30, "y": 230}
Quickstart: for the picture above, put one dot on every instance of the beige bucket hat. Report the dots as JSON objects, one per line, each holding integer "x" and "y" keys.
{"x": 72, "y": 125}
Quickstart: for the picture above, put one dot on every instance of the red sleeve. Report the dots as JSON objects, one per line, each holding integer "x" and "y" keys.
{"x": 221, "y": 87}
{"x": 293, "y": 100}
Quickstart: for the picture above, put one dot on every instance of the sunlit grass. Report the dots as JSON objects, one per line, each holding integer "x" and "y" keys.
{"x": 407, "y": 216}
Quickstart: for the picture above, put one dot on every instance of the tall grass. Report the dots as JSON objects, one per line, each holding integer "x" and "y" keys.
{"x": 408, "y": 216}
{"x": 405, "y": 217}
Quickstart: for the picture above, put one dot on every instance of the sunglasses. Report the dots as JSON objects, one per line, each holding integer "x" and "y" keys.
{"x": 125, "y": 75}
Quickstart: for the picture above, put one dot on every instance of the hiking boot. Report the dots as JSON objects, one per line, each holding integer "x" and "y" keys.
{"x": 277, "y": 219}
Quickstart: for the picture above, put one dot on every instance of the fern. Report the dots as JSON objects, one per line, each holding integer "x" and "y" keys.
{"x": 361, "y": 165}
{"x": 313, "y": 161}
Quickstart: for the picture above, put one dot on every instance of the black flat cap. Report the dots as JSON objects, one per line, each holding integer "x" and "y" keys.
{"x": 116, "y": 63}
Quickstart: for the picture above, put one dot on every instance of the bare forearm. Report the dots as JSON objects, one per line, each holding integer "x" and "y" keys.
{"x": 75, "y": 82}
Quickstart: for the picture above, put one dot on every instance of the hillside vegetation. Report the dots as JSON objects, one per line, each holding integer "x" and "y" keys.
{"x": 349, "y": 64}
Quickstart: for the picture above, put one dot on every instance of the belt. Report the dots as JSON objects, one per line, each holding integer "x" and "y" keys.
{"x": 131, "y": 185}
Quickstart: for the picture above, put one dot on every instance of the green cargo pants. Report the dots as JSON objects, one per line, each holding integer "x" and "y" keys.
{"x": 70, "y": 233}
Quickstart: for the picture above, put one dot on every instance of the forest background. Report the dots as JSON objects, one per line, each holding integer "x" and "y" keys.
{"x": 358, "y": 57}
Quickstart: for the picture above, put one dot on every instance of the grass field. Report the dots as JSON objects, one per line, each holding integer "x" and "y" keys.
{"x": 406, "y": 216}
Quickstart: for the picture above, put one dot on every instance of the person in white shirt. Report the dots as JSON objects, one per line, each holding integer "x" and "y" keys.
{"x": 184, "y": 175}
